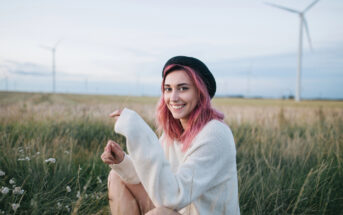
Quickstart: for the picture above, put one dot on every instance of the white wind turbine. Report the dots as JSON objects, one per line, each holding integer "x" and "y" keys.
{"x": 303, "y": 23}
{"x": 53, "y": 50}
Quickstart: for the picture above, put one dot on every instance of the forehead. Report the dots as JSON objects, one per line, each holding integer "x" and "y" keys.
{"x": 177, "y": 77}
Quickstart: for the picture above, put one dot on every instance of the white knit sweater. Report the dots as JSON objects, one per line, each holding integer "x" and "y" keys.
{"x": 203, "y": 180}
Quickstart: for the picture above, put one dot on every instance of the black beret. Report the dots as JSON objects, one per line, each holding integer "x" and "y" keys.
{"x": 199, "y": 67}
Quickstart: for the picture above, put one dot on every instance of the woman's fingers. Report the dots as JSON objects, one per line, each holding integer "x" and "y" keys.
{"x": 115, "y": 113}
{"x": 112, "y": 146}
{"x": 107, "y": 158}
{"x": 117, "y": 146}
{"x": 113, "y": 153}
{"x": 107, "y": 148}
{"x": 108, "y": 145}
{"x": 117, "y": 152}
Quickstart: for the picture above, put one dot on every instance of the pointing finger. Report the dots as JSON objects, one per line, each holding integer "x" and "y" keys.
{"x": 115, "y": 113}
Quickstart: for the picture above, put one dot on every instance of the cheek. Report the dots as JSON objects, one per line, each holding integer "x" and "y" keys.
{"x": 165, "y": 98}
{"x": 194, "y": 104}
{"x": 192, "y": 98}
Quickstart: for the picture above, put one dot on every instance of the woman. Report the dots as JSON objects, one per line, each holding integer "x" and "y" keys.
{"x": 192, "y": 168}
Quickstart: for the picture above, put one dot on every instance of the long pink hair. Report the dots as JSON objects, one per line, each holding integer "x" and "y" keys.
{"x": 198, "y": 118}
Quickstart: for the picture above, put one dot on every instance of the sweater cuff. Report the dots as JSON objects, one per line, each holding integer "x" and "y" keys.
{"x": 126, "y": 170}
{"x": 122, "y": 125}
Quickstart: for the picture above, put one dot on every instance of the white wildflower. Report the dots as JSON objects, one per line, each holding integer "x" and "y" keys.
{"x": 33, "y": 203}
{"x": 50, "y": 160}
{"x": 37, "y": 153}
{"x": 66, "y": 152}
{"x": 59, "y": 205}
{"x": 68, "y": 189}
{"x": 21, "y": 151}
{"x": 2, "y": 173}
{"x": 78, "y": 195}
{"x": 4, "y": 190}
{"x": 85, "y": 187}
{"x": 99, "y": 180}
{"x": 67, "y": 207}
{"x": 15, "y": 206}
{"x": 24, "y": 159}
{"x": 12, "y": 181}
{"x": 2, "y": 212}
{"x": 18, "y": 191}
{"x": 98, "y": 197}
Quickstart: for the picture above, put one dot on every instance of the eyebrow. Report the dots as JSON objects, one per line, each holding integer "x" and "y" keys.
{"x": 179, "y": 85}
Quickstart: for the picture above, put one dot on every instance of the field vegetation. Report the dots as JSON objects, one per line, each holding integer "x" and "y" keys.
{"x": 289, "y": 155}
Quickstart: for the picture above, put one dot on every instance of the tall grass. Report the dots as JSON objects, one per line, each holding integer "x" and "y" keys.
{"x": 289, "y": 157}
{"x": 76, "y": 146}
{"x": 295, "y": 169}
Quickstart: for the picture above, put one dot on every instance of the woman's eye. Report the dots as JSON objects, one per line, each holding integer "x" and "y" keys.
{"x": 183, "y": 88}
{"x": 167, "y": 89}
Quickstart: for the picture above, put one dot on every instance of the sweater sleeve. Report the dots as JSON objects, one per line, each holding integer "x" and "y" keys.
{"x": 126, "y": 170}
{"x": 208, "y": 162}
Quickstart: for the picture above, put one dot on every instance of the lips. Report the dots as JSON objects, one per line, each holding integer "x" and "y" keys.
{"x": 178, "y": 107}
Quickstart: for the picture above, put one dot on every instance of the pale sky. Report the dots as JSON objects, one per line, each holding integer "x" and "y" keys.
{"x": 120, "y": 47}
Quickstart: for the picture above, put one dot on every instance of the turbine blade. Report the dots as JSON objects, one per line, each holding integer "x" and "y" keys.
{"x": 307, "y": 33}
{"x": 282, "y": 7}
{"x": 311, "y": 5}
{"x": 57, "y": 43}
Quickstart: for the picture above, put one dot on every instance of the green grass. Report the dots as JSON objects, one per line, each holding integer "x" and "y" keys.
{"x": 76, "y": 146}
{"x": 289, "y": 156}
{"x": 296, "y": 170}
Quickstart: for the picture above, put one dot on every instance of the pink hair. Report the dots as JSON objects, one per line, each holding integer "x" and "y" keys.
{"x": 198, "y": 118}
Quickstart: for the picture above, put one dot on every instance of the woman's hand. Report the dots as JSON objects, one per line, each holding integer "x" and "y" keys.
{"x": 113, "y": 153}
{"x": 116, "y": 114}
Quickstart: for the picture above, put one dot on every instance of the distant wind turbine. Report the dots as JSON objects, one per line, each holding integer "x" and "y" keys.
{"x": 303, "y": 23}
{"x": 249, "y": 70}
{"x": 6, "y": 83}
{"x": 53, "y": 50}
{"x": 86, "y": 85}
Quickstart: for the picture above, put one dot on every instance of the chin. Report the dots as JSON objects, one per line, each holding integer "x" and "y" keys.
{"x": 177, "y": 116}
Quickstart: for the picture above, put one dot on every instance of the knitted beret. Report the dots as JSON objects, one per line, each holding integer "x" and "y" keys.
{"x": 199, "y": 67}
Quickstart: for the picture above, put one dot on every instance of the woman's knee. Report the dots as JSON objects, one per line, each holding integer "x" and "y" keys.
{"x": 114, "y": 183}
{"x": 113, "y": 177}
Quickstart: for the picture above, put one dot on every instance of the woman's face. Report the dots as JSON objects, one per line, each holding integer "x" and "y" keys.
{"x": 180, "y": 95}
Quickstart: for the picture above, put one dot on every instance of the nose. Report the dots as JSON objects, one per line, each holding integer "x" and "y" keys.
{"x": 174, "y": 96}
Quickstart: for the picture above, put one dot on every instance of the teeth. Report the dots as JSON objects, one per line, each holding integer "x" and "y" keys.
{"x": 177, "y": 106}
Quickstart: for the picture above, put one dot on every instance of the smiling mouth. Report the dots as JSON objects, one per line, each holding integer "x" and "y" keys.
{"x": 177, "y": 107}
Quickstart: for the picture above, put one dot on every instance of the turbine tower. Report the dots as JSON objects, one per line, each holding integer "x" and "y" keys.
{"x": 303, "y": 23}
{"x": 53, "y": 50}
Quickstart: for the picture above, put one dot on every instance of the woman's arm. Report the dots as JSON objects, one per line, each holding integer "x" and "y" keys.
{"x": 208, "y": 162}
{"x": 120, "y": 162}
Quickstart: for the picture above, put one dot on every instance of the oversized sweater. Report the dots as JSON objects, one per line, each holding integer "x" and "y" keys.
{"x": 202, "y": 180}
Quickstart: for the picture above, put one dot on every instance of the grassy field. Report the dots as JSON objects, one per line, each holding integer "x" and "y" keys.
{"x": 289, "y": 155}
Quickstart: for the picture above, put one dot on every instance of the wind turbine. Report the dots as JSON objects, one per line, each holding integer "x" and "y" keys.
{"x": 53, "y": 50}
{"x": 303, "y": 23}
{"x": 6, "y": 82}
{"x": 249, "y": 70}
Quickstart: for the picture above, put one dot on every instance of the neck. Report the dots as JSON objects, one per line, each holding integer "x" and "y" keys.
{"x": 184, "y": 123}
